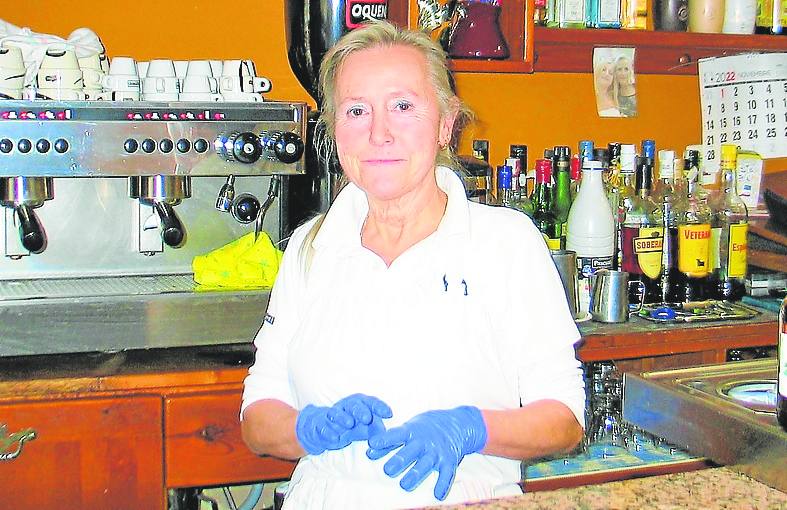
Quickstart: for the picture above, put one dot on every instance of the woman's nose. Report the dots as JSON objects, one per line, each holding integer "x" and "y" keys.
{"x": 380, "y": 133}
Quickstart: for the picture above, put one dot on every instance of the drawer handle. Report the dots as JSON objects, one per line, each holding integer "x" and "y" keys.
{"x": 7, "y": 441}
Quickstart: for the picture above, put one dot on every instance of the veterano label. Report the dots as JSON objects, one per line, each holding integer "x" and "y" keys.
{"x": 359, "y": 11}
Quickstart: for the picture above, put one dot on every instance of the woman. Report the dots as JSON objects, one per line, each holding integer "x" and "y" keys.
{"x": 604, "y": 84}
{"x": 407, "y": 356}
{"x": 625, "y": 90}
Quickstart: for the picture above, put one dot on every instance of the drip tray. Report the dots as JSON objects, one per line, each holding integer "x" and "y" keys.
{"x": 59, "y": 288}
{"x": 723, "y": 412}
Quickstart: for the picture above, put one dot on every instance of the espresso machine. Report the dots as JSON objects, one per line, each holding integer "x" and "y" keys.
{"x": 106, "y": 204}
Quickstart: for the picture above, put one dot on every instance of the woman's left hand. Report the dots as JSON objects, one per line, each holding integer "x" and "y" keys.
{"x": 434, "y": 440}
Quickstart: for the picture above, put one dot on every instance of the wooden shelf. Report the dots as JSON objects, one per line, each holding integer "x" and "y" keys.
{"x": 571, "y": 50}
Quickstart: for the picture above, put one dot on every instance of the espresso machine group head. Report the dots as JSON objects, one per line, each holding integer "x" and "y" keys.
{"x": 21, "y": 195}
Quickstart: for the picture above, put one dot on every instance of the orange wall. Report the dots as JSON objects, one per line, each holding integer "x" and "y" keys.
{"x": 540, "y": 110}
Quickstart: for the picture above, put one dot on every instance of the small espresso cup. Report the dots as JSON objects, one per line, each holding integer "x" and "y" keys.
{"x": 160, "y": 88}
{"x": 199, "y": 88}
{"x": 12, "y": 73}
{"x": 57, "y": 57}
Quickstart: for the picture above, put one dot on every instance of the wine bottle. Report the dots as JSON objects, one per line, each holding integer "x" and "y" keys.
{"x": 561, "y": 198}
{"x": 542, "y": 205}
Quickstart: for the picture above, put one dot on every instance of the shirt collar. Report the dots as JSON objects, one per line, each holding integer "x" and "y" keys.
{"x": 344, "y": 220}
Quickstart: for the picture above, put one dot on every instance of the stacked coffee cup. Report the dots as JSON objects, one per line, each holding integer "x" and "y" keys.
{"x": 12, "y": 73}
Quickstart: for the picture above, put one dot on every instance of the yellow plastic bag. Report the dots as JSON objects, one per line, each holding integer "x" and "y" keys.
{"x": 241, "y": 264}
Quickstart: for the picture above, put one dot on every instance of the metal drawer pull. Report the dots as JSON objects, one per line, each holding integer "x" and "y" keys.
{"x": 17, "y": 437}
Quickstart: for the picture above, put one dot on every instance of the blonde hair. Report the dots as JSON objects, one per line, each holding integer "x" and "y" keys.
{"x": 382, "y": 34}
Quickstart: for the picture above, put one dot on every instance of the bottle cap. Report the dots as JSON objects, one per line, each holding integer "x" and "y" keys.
{"x": 666, "y": 164}
{"x": 576, "y": 168}
{"x": 504, "y": 173}
{"x": 649, "y": 149}
{"x": 543, "y": 171}
{"x": 628, "y": 154}
{"x": 729, "y": 154}
{"x": 586, "y": 149}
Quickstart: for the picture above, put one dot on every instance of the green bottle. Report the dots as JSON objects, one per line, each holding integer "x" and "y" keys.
{"x": 543, "y": 215}
{"x": 561, "y": 199}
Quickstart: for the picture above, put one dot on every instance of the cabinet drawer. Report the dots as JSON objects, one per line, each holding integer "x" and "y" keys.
{"x": 203, "y": 443}
{"x": 87, "y": 453}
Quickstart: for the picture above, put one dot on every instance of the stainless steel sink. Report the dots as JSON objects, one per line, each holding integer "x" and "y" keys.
{"x": 723, "y": 412}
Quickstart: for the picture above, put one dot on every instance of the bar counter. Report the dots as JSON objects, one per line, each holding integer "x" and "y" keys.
{"x": 705, "y": 489}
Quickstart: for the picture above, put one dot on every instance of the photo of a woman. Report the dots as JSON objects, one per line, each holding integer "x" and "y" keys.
{"x": 604, "y": 84}
{"x": 625, "y": 91}
{"x": 614, "y": 82}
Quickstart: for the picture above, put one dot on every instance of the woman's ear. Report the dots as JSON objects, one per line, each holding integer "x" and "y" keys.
{"x": 446, "y": 131}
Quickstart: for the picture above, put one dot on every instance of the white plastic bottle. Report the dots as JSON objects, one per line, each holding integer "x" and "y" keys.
{"x": 591, "y": 230}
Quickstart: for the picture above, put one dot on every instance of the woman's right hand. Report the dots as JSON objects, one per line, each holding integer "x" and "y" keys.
{"x": 354, "y": 418}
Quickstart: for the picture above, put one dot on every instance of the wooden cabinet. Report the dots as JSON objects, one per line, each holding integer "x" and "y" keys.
{"x": 542, "y": 49}
{"x": 204, "y": 445}
{"x": 87, "y": 454}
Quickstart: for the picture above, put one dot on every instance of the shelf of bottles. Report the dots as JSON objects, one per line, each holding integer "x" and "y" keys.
{"x": 653, "y": 214}
{"x": 571, "y": 50}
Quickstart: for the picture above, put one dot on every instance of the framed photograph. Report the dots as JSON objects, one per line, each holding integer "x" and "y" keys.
{"x": 614, "y": 82}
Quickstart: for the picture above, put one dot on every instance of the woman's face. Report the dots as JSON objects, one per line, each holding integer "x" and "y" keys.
{"x": 388, "y": 123}
{"x": 622, "y": 71}
{"x": 604, "y": 75}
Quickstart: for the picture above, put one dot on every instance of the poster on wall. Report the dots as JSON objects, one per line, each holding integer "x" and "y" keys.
{"x": 744, "y": 102}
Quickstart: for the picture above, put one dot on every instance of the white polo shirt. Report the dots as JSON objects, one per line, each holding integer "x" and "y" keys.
{"x": 474, "y": 314}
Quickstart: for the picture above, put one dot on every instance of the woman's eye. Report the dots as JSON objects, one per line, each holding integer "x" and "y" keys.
{"x": 403, "y": 106}
{"x": 355, "y": 111}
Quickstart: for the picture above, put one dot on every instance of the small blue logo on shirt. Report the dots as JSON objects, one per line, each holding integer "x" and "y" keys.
{"x": 269, "y": 318}
{"x": 463, "y": 283}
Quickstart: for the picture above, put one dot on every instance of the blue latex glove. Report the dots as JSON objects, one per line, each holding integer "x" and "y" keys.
{"x": 354, "y": 418}
{"x": 434, "y": 440}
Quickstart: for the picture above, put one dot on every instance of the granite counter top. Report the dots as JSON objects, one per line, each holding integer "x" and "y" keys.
{"x": 704, "y": 489}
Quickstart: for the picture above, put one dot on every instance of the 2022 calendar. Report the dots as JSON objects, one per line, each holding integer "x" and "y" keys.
{"x": 744, "y": 102}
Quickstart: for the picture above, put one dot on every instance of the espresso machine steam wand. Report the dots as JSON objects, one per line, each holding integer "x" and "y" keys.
{"x": 162, "y": 193}
{"x": 20, "y": 195}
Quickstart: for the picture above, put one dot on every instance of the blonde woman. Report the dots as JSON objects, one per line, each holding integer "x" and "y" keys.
{"x": 625, "y": 90}
{"x": 604, "y": 84}
{"x": 388, "y": 363}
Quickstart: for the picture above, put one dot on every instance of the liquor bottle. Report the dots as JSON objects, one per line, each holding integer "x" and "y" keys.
{"x": 504, "y": 191}
{"x": 483, "y": 171}
{"x": 571, "y": 13}
{"x": 519, "y": 200}
{"x": 690, "y": 278}
{"x": 576, "y": 176}
{"x": 520, "y": 173}
{"x": 540, "y": 13}
{"x": 771, "y": 17}
{"x": 481, "y": 150}
{"x": 585, "y": 150}
{"x": 603, "y": 14}
{"x": 642, "y": 236}
{"x": 666, "y": 183}
{"x": 591, "y": 230}
{"x": 729, "y": 228}
{"x": 561, "y": 196}
{"x": 649, "y": 150}
{"x": 634, "y": 14}
{"x": 542, "y": 206}
{"x": 781, "y": 378}
{"x": 620, "y": 191}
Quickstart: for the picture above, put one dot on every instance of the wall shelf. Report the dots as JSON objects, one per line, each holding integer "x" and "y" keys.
{"x": 674, "y": 53}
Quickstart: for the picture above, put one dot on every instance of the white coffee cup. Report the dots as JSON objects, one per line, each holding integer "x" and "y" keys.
{"x": 199, "y": 88}
{"x": 12, "y": 72}
{"x": 122, "y": 82}
{"x": 142, "y": 69}
{"x": 161, "y": 68}
{"x": 57, "y": 57}
{"x": 202, "y": 68}
{"x": 231, "y": 85}
{"x": 123, "y": 66}
{"x": 52, "y": 78}
{"x": 91, "y": 71}
{"x": 60, "y": 94}
{"x": 215, "y": 67}
{"x": 160, "y": 88}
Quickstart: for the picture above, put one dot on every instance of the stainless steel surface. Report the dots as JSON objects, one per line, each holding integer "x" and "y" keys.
{"x": 566, "y": 263}
{"x": 693, "y": 409}
{"x": 609, "y": 298}
{"x": 160, "y": 188}
{"x": 95, "y": 133}
{"x": 174, "y": 315}
{"x": 93, "y": 227}
{"x": 31, "y": 191}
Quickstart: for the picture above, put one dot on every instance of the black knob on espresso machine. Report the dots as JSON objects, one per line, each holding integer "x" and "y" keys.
{"x": 241, "y": 147}
{"x": 285, "y": 146}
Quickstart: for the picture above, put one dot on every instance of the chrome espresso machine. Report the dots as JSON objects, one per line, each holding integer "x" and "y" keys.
{"x": 105, "y": 205}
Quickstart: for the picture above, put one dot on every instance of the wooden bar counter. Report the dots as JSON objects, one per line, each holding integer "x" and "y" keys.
{"x": 116, "y": 430}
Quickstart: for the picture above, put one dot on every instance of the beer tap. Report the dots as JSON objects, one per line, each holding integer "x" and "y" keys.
{"x": 20, "y": 195}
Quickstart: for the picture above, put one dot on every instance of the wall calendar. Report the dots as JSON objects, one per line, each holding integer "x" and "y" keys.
{"x": 744, "y": 102}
